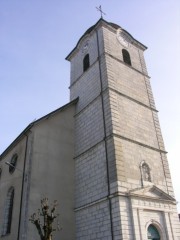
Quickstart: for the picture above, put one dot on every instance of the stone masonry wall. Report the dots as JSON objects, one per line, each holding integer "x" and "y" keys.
{"x": 153, "y": 211}
{"x": 93, "y": 223}
{"x": 114, "y": 49}
{"x": 91, "y": 176}
{"x": 91, "y": 183}
{"x": 132, "y": 120}
{"x": 112, "y": 154}
{"x": 126, "y": 81}
{"x": 129, "y": 156}
{"x": 87, "y": 45}
{"x": 89, "y": 127}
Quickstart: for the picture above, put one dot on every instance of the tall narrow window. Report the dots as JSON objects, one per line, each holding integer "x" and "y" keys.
{"x": 126, "y": 57}
{"x": 6, "y": 228}
{"x": 86, "y": 62}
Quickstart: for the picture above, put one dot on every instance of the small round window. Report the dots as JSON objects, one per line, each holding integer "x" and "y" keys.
{"x": 13, "y": 162}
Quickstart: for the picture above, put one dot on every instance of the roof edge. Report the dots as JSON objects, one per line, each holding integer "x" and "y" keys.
{"x": 86, "y": 32}
{"x": 28, "y": 128}
{"x": 89, "y": 30}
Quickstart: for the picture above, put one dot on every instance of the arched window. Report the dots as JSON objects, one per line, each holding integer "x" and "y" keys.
{"x": 6, "y": 228}
{"x": 13, "y": 162}
{"x": 153, "y": 233}
{"x": 126, "y": 57}
{"x": 146, "y": 172}
{"x": 86, "y": 62}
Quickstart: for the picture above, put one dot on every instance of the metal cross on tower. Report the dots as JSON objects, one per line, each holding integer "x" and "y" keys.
{"x": 100, "y": 10}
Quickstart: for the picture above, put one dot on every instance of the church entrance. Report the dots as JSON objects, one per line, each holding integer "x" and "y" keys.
{"x": 153, "y": 233}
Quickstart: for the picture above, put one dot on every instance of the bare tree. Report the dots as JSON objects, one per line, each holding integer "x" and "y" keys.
{"x": 47, "y": 215}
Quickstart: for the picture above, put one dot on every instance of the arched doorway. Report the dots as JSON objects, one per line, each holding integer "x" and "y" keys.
{"x": 153, "y": 233}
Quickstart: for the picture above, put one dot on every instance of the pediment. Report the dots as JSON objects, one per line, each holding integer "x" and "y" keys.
{"x": 152, "y": 192}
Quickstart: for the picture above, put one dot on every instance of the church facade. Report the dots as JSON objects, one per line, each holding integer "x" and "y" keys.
{"x": 101, "y": 156}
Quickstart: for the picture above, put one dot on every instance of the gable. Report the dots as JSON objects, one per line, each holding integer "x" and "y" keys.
{"x": 151, "y": 192}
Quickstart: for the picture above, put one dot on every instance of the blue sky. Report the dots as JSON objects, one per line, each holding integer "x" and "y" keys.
{"x": 37, "y": 35}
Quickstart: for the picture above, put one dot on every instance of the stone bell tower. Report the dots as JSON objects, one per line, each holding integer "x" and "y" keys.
{"x": 123, "y": 186}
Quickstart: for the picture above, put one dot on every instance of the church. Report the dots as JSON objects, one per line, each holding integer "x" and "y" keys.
{"x": 101, "y": 156}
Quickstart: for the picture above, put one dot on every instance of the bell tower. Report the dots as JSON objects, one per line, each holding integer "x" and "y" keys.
{"x": 123, "y": 186}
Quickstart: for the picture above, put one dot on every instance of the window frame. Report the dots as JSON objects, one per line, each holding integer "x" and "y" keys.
{"x": 126, "y": 57}
{"x": 86, "y": 62}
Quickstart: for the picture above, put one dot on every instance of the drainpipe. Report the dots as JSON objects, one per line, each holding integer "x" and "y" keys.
{"x": 105, "y": 136}
{"x": 22, "y": 188}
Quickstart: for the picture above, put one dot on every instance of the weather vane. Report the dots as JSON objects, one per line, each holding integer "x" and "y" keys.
{"x": 100, "y": 10}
